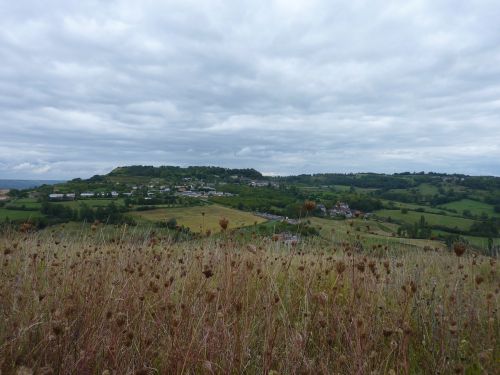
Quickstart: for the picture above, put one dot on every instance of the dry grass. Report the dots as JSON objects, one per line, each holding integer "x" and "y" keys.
{"x": 216, "y": 307}
{"x": 200, "y": 218}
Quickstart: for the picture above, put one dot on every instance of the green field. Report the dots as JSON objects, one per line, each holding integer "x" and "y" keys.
{"x": 18, "y": 214}
{"x": 433, "y": 219}
{"x": 475, "y": 207}
{"x": 192, "y": 217}
{"x": 428, "y": 189}
{"x": 26, "y": 202}
{"x": 413, "y": 206}
{"x": 369, "y": 232}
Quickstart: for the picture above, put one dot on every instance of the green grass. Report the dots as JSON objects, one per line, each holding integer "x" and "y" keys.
{"x": 475, "y": 207}
{"x": 368, "y": 232}
{"x": 481, "y": 242}
{"x": 26, "y": 202}
{"x": 192, "y": 217}
{"x": 18, "y": 214}
{"x": 342, "y": 187}
{"x": 433, "y": 219}
{"x": 428, "y": 189}
{"x": 413, "y": 206}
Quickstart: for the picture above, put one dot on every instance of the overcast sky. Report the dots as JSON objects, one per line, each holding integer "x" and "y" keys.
{"x": 284, "y": 86}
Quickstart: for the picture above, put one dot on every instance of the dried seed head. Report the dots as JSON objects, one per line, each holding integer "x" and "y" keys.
{"x": 361, "y": 267}
{"x": 121, "y": 319}
{"x": 208, "y": 273}
{"x": 340, "y": 267}
{"x": 57, "y": 328}
{"x": 223, "y": 223}
{"x": 321, "y": 298}
{"x": 309, "y": 205}
{"x": 459, "y": 249}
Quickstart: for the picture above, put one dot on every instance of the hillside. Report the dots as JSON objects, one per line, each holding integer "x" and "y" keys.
{"x": 419, "y": 206}
{"x": 173, "y": 172}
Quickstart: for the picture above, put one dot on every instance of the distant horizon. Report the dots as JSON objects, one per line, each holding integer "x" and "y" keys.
{"x": 60, "y": 179}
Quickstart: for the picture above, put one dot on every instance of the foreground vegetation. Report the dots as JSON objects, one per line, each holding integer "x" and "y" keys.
{"x": 118, "y": 303}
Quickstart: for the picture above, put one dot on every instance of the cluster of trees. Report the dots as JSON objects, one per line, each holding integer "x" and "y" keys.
{"x": 286, "y": 202}
{"x": 365, "y": 180}
{"x": 177, "y": 173}
{"x": 110, "y": 214}
{"x": 420, "y": 229}
{"x": 17, "y": 193}
{"x": 364, "y": 202}
{"x": 485, "y": 228}
{"x": 163, "y": 199}
{"x": 303, "y": 229}
{"x": 481, "y": 182}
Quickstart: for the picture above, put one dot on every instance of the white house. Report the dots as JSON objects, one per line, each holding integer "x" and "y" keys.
{"x": 56, "y": 196}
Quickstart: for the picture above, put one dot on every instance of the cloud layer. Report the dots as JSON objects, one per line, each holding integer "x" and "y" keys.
{"x": 286, "y": 86}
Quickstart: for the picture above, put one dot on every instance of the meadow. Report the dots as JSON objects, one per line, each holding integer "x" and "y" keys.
{"x": 433, "y": 219}
{"x": 18, "y": 214}
{"x": 368, "y": 233}
{"x": 200, "y": 218}
{"x": 105, "y": 303}
{"x": 473, "y": 206}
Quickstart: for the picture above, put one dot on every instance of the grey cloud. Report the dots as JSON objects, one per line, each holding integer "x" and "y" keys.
{"x": 284, "y": 86}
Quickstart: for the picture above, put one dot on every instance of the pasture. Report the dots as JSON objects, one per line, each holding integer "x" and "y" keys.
{"x": 193, "y": 218}
{"x": 433, "y": 219}
{"x": 369, "y": 233}
{"x": 475, "y": 207}
{"x": 18, "y": 214}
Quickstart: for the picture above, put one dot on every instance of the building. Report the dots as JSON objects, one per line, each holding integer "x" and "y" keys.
{"x": 56, "y": 196}
{"x": 87, "y": 195}
{"x": 341, "y": 209}
{"x": 258, "y": 183}
{"x": 62, "y": 197}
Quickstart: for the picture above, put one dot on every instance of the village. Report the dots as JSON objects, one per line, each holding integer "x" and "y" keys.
{"x": 191, "y": 188}
{"x": 149, "y": 193}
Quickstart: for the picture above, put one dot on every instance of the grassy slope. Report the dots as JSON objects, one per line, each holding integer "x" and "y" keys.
{"x": 428, "y": 189}
{"x": 192, "y": 217}
{"x": 412, "y": 206}
{"x": 27, "y": 202}
{"x": 16, "y": 215}
{"x": 376, "y": 234}
{"x": 475, "y": 207}
{"x": 433, "y": 219}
